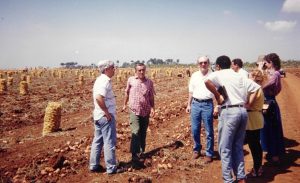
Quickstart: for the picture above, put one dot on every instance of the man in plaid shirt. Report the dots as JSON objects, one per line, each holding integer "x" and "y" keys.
{"x": 140, "y": 94}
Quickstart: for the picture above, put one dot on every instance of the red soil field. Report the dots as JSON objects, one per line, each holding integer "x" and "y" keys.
{"x": 27, "y": 156}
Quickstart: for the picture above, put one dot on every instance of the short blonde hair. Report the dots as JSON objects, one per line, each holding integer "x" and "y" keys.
{"x": 257, "y": 75}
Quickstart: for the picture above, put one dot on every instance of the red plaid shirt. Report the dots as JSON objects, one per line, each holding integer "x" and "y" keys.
{"x": 141, "y": 95}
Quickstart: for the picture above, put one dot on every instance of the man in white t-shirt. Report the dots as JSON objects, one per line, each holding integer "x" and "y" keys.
{"x": 200, "y": 107}
{"x": 237, "y": 66}
{"x": 104, "y": 115}
{"x": 233, "y": 116}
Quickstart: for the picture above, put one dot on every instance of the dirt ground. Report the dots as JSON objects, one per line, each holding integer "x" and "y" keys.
{"x": 27, "y": 156}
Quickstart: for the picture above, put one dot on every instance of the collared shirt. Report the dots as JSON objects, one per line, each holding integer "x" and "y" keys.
{"x": 103, "y": 87}
{"x": 237, "y": 86}
{"x": 141, "y": 95}
{"x": 197, "y": 86}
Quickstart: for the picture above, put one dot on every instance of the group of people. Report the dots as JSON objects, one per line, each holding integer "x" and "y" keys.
{"x": 240, "y": 98}
{"x": 240, "y": 111}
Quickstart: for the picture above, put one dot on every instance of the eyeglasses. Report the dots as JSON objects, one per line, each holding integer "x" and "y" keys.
{"x": 112, "y": 67}
{"x": 140, "y": 70}
{"x": 200, "y": 63}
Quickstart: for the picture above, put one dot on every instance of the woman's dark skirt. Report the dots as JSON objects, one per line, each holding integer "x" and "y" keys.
{"x": 272, "y": 140}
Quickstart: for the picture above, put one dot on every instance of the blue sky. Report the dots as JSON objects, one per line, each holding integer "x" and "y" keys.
{"x": 47, "y": 32}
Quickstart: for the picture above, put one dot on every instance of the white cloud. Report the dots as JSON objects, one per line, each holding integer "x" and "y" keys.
{"x": 291, "y": 6}
{"x": 280, "y": 26}
{"x": 227, "y": 12}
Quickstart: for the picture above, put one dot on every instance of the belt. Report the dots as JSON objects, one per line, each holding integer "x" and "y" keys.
{"x": 205, "y": 100}
{"x": 254, "y": 110}
{"x": 231, "y": 106}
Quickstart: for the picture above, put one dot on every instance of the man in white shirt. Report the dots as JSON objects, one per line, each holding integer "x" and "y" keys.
{"x": 200, "y": 107}
{"x": 237, "y": 66}
{"x": 104, "y": 115}
{"x": 233, "y": 117}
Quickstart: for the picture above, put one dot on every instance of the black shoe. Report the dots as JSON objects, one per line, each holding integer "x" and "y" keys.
{"x": 142, "y": 156}
{"x": 208, "y": 160}
{"x": 117, "y": 170}
{"x": 137, "y": 165}
{"x": 99, "y": 169}
{"x": 196, "y": 154}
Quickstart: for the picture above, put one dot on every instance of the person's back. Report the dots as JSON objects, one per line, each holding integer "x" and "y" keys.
{"x": 243, "y": 72}
{"x": 235, "y": 84}
{"x": 233, "y": 116}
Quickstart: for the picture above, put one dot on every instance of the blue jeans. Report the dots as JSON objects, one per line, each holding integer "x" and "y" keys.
{"x": 202, "y": 111}
{"x": 232, "y": 129}
{"x": 104, "y": 135}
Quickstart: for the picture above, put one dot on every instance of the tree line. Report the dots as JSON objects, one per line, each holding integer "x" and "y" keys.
{"x": 166, "y": 62}
{"x": 151, "y": 61}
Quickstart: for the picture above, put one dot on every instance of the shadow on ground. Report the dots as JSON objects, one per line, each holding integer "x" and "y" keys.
{"x": 287, "y": 161}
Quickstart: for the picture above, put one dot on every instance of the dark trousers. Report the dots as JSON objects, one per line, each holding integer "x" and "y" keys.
{"x": 138, "y": 126}
{"x": 253, "y": 139}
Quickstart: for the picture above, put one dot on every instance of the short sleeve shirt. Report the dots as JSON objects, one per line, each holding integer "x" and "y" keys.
{"x": 141, "y": 95}
{"x": 103, "y": 87}
{"x": 236, "y": 85}
{"x": 197, "y": 86}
